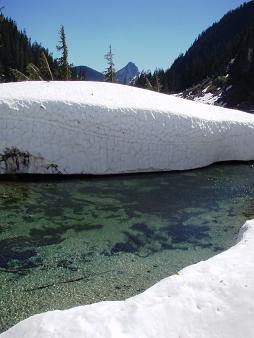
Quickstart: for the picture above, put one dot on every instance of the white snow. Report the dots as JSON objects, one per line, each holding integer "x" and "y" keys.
{"x": 102, "y": 128}
{"x": 205, "y": 90}
{"x": 211, "y": 299}
{"x": 208, "y": 98}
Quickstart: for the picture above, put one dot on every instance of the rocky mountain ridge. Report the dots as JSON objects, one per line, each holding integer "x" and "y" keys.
{"x": 123, "y": 76}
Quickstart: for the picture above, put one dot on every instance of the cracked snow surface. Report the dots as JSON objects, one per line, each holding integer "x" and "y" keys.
{"x": 102, "y": 128}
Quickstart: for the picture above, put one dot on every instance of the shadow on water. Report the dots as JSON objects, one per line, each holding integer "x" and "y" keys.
{"x": 171, "y": 237}
{"x": 17, "y": 254}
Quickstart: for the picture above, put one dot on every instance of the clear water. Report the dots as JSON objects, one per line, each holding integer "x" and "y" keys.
{"x": 78, "y": 241}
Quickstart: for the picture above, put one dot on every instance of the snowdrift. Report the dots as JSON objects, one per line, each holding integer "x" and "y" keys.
{"x": 102, "y": 128}
{"x": 206, "y": 300}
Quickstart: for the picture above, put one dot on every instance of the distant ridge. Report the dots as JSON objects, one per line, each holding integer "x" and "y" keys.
{"x": 88, "y": 74}
{"x": 123, "y": 76}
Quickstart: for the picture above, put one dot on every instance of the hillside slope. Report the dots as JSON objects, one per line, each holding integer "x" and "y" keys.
{"x": 218, "y": 68}
{"x": 17, "y": 51}
{"x": 212, "y": 51}
{"x": 88, "y": 74}
{"x": 234, "y": 87}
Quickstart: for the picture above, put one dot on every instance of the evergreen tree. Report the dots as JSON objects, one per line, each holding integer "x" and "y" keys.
{"x": 1, "y": 66}
{"x": 33, "y": 72}
{"x": 1, "y": 19}
{"x": 17, "y": 51}
{"x": 110, "y": 73}
{"x": 157, "y": 86}
{"x": 153, "y": 82}
{"x": 241, "y": 73}
{"x": 141, "y": 80}
{"x": 64, "y": 69}
{"x": 156, "y": 81}
{"x": 18, "y": 75}
{"x": 45, "y": 68}
{"x": 148, "y": 84}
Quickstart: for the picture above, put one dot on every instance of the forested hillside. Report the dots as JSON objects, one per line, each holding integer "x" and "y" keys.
{"x": 210, "y": 54}
{"x": 17, "y": 50}
{"x": 239, "y": 89}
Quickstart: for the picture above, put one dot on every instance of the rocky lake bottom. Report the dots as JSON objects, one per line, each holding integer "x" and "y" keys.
{"x": 71, "y": 242}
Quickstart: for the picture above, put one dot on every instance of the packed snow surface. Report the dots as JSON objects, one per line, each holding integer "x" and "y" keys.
{"x": 103, "y": 128}
{"x": 210, "y": 299}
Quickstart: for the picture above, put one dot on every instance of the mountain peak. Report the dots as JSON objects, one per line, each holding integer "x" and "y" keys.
{"x": 130, "y": 64}
{"x": 127, "y": 73}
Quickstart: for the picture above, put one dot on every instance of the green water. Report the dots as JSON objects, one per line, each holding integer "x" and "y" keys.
{"x": 78, "y": 241}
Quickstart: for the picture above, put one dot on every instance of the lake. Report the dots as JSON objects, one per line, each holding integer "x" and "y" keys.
{"x": 76, "y": 241}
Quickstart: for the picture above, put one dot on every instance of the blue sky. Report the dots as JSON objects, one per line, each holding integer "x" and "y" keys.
{"x": 150, "y": 33}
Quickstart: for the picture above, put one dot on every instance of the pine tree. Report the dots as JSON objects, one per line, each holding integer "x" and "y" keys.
{"x": 17, "y": 51}
{"x": 64, "y": 69}
{"x": 148, "y": 84}
{"x": 45, "y": 68}
{"x": 19, "y": 76}
{"x": 157, "y": 86}
{"x": 33, "y": 72}
{"x": 157, "y": 83}
{"x": 1, "y": 66}
{"x": 141, "y": 80}
{"x": 110, "y": 73}
{"x": 1, "y": 19}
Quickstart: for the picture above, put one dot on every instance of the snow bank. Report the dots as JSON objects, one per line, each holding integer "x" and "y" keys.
{"x": 206, "y": 300}
{"x": 208, "y": 98}
{"x": 102, "y": 128}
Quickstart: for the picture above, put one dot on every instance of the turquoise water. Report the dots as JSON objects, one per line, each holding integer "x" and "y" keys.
{"x": 77, "y": 241}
